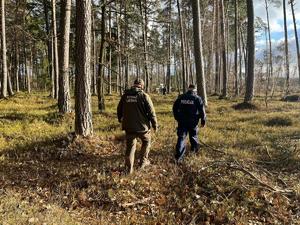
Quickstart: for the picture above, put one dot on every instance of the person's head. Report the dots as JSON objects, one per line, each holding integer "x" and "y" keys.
{"x": 192, "y": 87}
{"x": 139, "y": 83}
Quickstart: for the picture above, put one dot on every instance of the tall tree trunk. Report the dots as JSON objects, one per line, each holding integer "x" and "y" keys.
{"x": 126, "y": 45}
{"x": 143, "y": 8}
{"x": 9, "y": 82}
{"x": 119, "y": 75}
{"x": 101, "y": 100}
{"x": 4, "y": 58}
{"x": 286, "y": 45}
{"x": 49, "y": 42}
{"x": 83, "y": 110}
{"x": 270, "y": 41}
{"x": 53, "y": 87}
{"x": 236, "y": 33}
{"x": 251, "y": 53}
{"x": 16, "y": 52}
{"x": 17, "y": 67}
{"x": 296, "y": 36}
{"x": 217, "y": 58}
{"x": 168, "y": 83}
{"x": 198, "y": 50}
{"x": 182, "y": 48}
{"x": 64, "y": 104}
{"x": 224, "y": 55}
{"x": 211, "y": 48}
{"x": 110, "y": 54}
{"x": 94, "y": 75}
{"x": 55, "y": 62}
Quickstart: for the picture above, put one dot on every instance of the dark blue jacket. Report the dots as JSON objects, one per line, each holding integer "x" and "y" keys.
{"x": 188, "y": 109}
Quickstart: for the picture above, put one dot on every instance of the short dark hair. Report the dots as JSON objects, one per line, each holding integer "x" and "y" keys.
{"x": 192, "y": 86}
{"x": 138, "y": 82}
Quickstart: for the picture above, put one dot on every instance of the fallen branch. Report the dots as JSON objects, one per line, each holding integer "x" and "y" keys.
{"x": 142, "y": 201}
{"x": 269, "y": 187}
{"x": 212, "y": 148}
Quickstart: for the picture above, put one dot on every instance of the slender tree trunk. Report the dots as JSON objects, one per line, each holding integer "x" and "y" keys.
{"x": 101, "y": 100}
{"x": 126, "y": 44}
{"x": 94, "y": 76}
{"x": 52, "y": 68}
{"x": 56, "y": 67}
{"x": 110, "y": 54}
{"x": 198, "y": 50}
{"x": 143, "y": 8}
{"x": 251, "y": 52}
{"x": 224, "y": 55}
{"x": 286, "y": 45}
{"x": 217, "y": 58}
{"x": 83, "y": 110}
{"x": 270, "y": 41}
{"x": 211, "y": 48}
{"x": 119, "y": 76}
{"x": 4, "y": 58}
{"x": 17, "y": 68}
{"x": 236, "y": 32}
{"x": 168, "y": 83}
{"x": 49, "y": 43}
{"x": 9, "y": 82}
{"x": 296, "y": 37}
{"x": 64, "y": 104}
{"x": 182, "y": 47}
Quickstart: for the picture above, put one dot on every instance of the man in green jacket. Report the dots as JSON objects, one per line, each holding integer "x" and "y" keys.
{"x": 137, "y": 114}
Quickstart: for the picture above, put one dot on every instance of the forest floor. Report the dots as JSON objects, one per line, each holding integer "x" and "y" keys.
{"x": 248, "y": 170}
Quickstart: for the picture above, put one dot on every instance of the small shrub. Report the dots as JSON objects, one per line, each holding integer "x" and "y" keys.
{"x": 279, "y": 122}
{"x": 291, "y": 98}
{"x": 245, "y": 106}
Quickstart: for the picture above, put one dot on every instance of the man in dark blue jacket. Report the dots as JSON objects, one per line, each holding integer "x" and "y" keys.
{"x": 188, "y": 109}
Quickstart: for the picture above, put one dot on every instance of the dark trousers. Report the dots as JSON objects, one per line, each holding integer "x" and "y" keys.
{"x": 182, "y": 132}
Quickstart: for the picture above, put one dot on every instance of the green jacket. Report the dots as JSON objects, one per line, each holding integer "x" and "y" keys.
{"x": 136, "y": 111}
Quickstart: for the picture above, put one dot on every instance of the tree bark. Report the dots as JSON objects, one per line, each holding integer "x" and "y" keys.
{"x": 101, "y": 99}
{"x": 4, "y": 80}
{"x": 217, "y": 57}
{"x": 55, "y": 62}
{"x": 296, "y": 37}
{"x": 64, "y": 104}
{"x": 49, "y": 42}
{"x": 182, "y": 48}
{"x": 251, "y": 53}
{"x": 224, "y": 55}
{"x": 94, "y": 75}
{"x": 236, "y": 47}
{"x": 83, "y": 110}
{"x": 286, "y": 46}
{"x": 110, "y": 54}
{"x": 168, "y": 83}
{"x": 143, "y": 8}
{"x": 198, "y": 50}
{"x": 270, "y": 41}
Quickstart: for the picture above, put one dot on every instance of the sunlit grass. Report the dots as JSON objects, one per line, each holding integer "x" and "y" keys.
{"x": 84, "y": 182}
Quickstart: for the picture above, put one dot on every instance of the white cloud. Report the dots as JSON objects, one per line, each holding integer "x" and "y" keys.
{"x": 276, "y": 15}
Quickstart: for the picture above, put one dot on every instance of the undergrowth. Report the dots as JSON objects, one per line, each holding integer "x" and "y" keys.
{"x": 246, "y": 173}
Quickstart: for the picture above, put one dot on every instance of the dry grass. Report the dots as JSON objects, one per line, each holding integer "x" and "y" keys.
{"x": 46, "y": 177}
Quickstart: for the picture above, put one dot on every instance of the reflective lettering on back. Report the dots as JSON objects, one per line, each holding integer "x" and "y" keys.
{"x": 187, "y": 102}
{"x": 131, "y": 99}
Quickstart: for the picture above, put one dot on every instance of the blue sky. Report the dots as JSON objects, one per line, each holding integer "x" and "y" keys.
{"x": 276, "y": 26}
